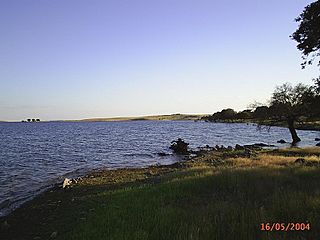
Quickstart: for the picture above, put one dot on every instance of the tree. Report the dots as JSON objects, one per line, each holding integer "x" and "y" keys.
{"x": 308, "y": 38}
{"x": 225, "y": 114}
{"x": 289, "y": 103}
{"x": 317, "y": 85}
{"x": 228, "y": 113}
{"x": 261, "y": 112}
{"x": 245, "y": 114}
{"x": 314, "y": 100}
{"x": 308, "y": 33}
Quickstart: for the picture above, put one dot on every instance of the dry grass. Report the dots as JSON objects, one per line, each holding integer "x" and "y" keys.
{"x": 267, "y": 160}
{"x": 301, "y": 151}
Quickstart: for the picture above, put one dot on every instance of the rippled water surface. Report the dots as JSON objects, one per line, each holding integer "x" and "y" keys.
{"x": 35, "y": 155}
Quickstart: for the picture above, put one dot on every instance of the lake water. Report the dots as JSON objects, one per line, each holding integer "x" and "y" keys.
{"x": 34, "y": 156}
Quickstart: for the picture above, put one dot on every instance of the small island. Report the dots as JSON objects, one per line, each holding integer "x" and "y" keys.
{"x": 31, "y": 120}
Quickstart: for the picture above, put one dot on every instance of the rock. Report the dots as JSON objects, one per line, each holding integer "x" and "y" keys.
{"x": 76, "y": 180}
{"x": 223, "y": 148}
{"x": 205, "y": 148}
{"x": 263, "y": 145}
{"x": 238, "y": 147}
{"x": 317, "y": 139}
{"x": 180, "y": 147}
{"x": 281, "y": 141}
{"x": 67, "y": 182}
{"x": 251, "y": 146}
{"x": 54, "y": 235}
{"x": 318, "y": 144}
{"x": 300, "y": 161}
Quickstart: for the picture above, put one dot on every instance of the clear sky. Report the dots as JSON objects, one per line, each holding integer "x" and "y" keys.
{"x": 102, "y": 58}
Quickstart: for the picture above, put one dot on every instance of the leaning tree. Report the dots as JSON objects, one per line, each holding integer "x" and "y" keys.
{"x": 290, "y": 103}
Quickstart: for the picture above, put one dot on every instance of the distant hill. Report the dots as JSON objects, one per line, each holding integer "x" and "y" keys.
{"x": 171, "y": 117}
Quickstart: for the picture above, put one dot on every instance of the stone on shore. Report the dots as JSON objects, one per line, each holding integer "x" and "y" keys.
{"x": 239, "y": 147}
{"x": 180, "y": 147}
{"x": 66, "y": 183}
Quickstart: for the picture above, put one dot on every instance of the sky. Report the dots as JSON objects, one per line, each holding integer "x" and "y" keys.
{"x": 80, "y": 59}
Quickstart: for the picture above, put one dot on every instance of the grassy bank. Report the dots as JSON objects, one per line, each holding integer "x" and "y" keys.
{"x": 168, "y": 117}
{"x": 308, "y": 125}
{"x": 215, "y": 196}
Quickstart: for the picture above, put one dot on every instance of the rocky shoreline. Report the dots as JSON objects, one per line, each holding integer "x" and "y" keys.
{"x": 115, "y": 174}
{"x": 111, "y": 176}
{"x": 45, "y": 216}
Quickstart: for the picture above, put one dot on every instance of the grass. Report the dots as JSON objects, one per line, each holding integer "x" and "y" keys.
{"x": 210, "y": 197}
{"x": 299, "y": 151}
{"x": 305, "y": 125}
{"x": 168, "y": 117}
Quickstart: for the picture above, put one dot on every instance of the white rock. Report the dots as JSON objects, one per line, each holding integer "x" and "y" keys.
{"x": 67, "y": 182}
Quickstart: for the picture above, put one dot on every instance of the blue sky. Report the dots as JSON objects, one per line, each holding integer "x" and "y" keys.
{"x": 78, "y": 59}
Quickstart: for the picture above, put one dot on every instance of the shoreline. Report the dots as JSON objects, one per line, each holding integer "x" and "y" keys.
{"x": 85, "y": 174}
{"x": 110, "y": 179}
{"x": 308, "y": 126}
{"x": 76, "y": 178}
{"x": 53, "y": 207}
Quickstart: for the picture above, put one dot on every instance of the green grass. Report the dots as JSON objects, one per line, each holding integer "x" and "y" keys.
{"x": 201, "y": 201}
{"x": 228, "y": 204}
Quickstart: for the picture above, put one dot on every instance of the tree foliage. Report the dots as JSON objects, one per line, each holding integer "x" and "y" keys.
{"x": 291, "y": 102}
{"x": 308, "y": 33}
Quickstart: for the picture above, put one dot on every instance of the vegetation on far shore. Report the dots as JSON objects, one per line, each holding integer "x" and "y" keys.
{"x": 217, "y": 195}
{"x": 302, "y": 125}
{"x": 313, "y": 125}
{"x": 289, "y": 106}
{"x": 168, "y": 117}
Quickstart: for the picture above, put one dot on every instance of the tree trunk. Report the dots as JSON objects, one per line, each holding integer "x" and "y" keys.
{"x": 292, "y": 130}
